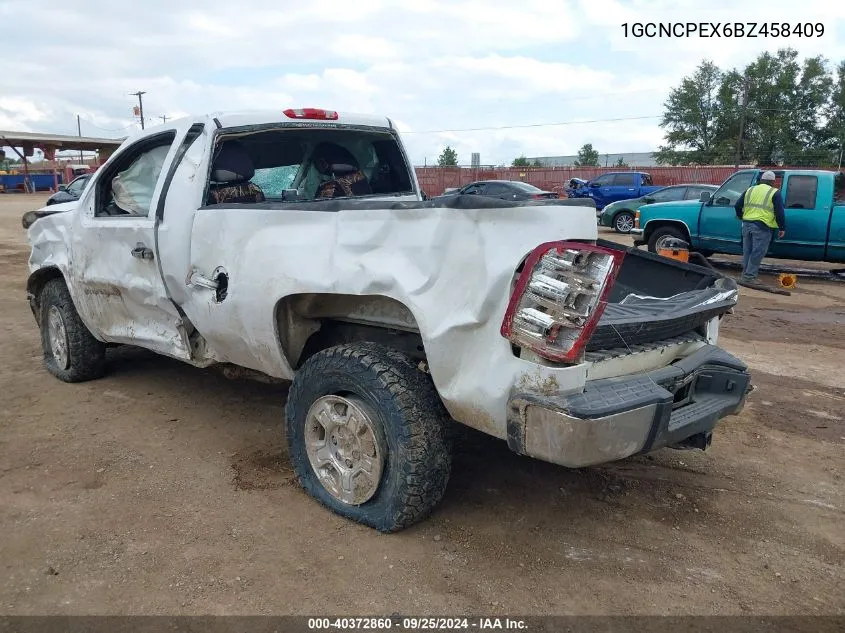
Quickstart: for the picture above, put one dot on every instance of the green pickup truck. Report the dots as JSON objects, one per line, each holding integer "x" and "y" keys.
{"x": 815, "y": 217}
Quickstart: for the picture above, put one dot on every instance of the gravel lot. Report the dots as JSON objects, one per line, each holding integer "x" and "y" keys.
{"x": 164, "y": 489}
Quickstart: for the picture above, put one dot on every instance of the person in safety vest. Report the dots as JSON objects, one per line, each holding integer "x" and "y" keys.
{"x": 761, "y": 210}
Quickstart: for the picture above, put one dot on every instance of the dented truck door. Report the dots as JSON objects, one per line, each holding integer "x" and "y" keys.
{"x": 119, "y": 285}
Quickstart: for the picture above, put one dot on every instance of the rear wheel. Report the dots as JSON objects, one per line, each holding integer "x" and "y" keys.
{"x": 659, "y": 236}
{"x": 623, "y": 222}
{"x": 366, "y": 434}
{"x": 71, "y": 353}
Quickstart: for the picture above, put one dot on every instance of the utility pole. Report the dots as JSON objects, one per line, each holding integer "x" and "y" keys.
{"x": 742, "y": 120}
{"x": 163, "y": 118}
{"x": 140, "y": 105}
{"x": 79, "y": 131}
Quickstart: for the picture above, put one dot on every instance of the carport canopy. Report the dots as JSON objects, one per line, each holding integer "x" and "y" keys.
{"x": 49, "y": 143}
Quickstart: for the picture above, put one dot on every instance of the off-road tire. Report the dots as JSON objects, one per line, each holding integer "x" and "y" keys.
{"x": 409, "y": 421}
{"x": 86, "y": 355}
{"x": 664, "y": 231}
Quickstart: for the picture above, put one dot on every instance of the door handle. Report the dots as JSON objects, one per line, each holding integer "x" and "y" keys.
{"x": 142, "y": 252}
{"x": 202, "y": 281}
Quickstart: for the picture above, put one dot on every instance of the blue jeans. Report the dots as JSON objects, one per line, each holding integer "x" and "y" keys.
{"x": 755, "y": 245}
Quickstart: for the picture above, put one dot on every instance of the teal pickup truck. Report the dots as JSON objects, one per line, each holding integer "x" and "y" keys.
{"x": 815, "y": 217}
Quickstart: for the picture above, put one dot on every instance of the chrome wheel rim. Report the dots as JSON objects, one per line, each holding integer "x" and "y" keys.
{"x": 624, "y": 223}
{"x": 343, "y": 448}
{"x": 661, "y": 243}
{"x": 57, "y": 335}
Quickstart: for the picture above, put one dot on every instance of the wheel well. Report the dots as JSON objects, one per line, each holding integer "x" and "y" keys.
{"x": 652, "y": 226}
{"x": 36, "y": 282}
{"x": 309, "y": 323}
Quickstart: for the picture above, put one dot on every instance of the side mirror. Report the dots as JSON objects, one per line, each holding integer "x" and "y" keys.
{"x": 62, "y": 187}
{"x": 704, "y": 197}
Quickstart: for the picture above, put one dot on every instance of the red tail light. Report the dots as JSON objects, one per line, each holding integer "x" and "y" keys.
{"x": 311, "y": 113}
{"x": 560, "y": 297}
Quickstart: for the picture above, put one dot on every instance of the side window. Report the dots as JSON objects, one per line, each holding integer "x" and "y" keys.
{"x": 473, "y": 189}
{"x": 801, "y": 192}
{"x": 693, "y": 193}
{"x": 603, "y": 180}
{"x": 624, "y": 180}
{"x": 729, "y": 193}
{"x": 495, "y": 189}
{"x": 670, "y": 194}
{"x": 646, "y": 180}
{"x": 127, "y": 188}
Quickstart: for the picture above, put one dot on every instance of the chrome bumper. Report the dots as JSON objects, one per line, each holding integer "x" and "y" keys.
{"x": 619, "y": 417}
{"x": 635, "y": 232}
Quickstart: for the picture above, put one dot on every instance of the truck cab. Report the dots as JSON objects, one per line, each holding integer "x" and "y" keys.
{"x": 815, "y": 221}
{"x": 613, "y": 186}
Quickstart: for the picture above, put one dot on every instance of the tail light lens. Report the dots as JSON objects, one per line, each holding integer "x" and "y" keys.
{"x": 560, "y": 297}
{"x": 311, "y": 113}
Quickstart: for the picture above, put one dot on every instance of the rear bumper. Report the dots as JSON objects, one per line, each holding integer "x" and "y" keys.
{"x": 619, "y": 417}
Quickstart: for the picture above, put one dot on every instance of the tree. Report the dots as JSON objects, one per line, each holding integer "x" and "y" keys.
{"x": 448, "y": 158}
{"x": 538, "y": 162}
{"x": 621, "y": 163}
{"x": 690, "y": 118}
{"x": 520, "y": 162}
{"x": 587, "y": 156}
{"x": 834, "y": 131}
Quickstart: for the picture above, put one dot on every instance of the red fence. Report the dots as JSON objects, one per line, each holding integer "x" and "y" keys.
{"x": 434, "y": 180}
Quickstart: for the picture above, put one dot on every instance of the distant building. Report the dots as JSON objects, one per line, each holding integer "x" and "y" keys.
{"x": 633, "y": 159}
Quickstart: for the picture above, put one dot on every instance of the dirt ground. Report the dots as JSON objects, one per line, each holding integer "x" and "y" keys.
{"x": 163, "y": 489}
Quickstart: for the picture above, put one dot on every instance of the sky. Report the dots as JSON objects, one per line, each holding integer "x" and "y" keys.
{"x": 441, "y": 69}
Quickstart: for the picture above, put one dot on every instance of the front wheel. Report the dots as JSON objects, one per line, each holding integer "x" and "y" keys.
{"x": 366, "y": 434}
{"x": 71, "y": 353}
{"x": 623, "y": 222}
{"x": 658, "y": 238}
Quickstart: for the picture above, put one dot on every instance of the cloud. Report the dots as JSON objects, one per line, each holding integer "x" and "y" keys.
{"x": 430, "y": 65}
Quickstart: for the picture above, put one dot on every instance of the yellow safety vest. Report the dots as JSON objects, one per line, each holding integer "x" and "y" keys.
{"x": 759, "y": 205}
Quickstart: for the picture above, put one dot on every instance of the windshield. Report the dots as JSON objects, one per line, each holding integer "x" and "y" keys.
{"x": 302, "y": 165}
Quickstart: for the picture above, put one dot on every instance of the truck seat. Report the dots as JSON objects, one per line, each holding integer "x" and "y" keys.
{"x": 230, "y": 176}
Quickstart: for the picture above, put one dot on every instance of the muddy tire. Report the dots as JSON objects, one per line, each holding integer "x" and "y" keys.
{"x": 366, "y": 435}
{"x": 71, "y": 353}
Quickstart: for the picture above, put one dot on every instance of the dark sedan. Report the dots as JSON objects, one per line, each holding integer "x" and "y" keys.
{"x": 502, "y": 189}
{"x": 70, "y": 192}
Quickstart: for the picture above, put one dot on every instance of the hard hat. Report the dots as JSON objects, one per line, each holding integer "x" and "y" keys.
{"x": 768, "y": 175}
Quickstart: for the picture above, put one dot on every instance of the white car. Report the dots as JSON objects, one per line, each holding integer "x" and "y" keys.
{"x": 297, "y": 244}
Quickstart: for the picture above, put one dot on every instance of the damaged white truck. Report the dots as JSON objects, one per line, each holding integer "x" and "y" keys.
{"x": 297, "y": 244}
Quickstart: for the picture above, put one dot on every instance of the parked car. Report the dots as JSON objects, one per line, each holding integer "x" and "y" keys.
{"x": 620, "y": 214}
{"x": 614, "y": 186}
{"x": 71, "y": 191}
{"x": 391, "y": 316}
{"x": 503, "y": 189}
{"x": 815, "y": 221}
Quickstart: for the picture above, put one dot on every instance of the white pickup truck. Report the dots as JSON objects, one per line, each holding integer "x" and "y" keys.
{"x": 297, "y": 244}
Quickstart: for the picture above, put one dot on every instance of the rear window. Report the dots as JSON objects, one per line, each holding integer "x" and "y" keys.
{"x": 524, "y": 186}
{"x": 301, "y": 165}
{"x": 801, "y": 192}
